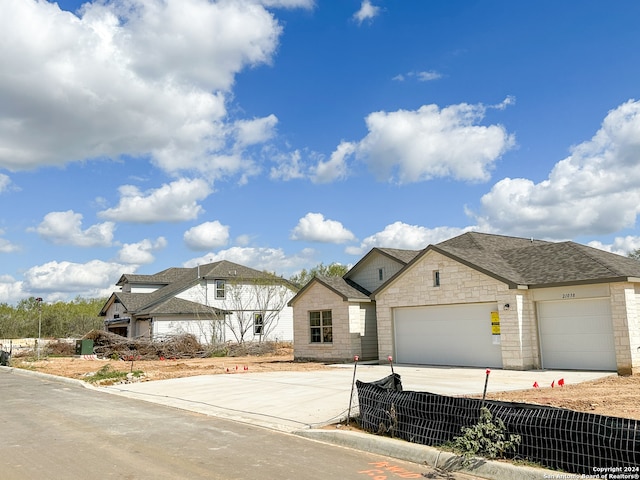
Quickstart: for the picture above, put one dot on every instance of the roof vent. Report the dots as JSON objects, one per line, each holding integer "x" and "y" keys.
{"x": 233, "y": 273}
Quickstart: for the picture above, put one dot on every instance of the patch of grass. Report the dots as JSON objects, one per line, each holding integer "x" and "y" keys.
{"x": 108, "y": 374}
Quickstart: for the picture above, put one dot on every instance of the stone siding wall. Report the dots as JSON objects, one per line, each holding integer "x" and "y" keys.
{"x": 345, "y": 344}
{"x": 460, "y": 284}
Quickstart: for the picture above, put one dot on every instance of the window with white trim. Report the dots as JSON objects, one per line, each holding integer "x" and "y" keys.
{"x": 220, "y": 289}
{"x": 321, "y": 326}
{"x": 258, "y": 324}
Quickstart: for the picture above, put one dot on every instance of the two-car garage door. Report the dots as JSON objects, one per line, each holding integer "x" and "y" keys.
{"x": 574, "y": 335}
{"x": 446, "y": 335}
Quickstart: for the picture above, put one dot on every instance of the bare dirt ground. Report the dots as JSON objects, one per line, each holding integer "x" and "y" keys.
{"x": 80, "y": 368}
{"x": 614, "y": 396}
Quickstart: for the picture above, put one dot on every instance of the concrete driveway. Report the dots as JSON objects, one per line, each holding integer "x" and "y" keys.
{"x": 290, "y": 401}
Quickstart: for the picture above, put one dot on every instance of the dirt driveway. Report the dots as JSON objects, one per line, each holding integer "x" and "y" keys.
{"x": 613, "y": 396}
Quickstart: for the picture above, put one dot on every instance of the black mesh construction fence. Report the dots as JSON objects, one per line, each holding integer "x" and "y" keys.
{"x": 575, "y": 442}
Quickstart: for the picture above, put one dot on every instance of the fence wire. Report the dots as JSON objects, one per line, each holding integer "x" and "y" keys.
{"x": 575, "y": 442}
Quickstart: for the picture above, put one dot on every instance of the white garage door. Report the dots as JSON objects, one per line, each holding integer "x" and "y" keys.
{"x": 446, "y": 335}
{"x": 577, "y": 334}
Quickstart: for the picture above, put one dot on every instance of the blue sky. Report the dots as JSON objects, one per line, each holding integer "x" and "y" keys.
{"x": 137, "y": 135}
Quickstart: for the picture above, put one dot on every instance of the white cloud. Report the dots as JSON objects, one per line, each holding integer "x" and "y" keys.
{"x": 428, "y": 76}
{"x": 336, "y": 167}
{"x": 174, "y": 202}
{"x": 288, "y": 166}
{"x": 313, "y": 227}
{"x": 258, "y": 130}
{"x": 367, "y": 12}
{"x": 409, "y": 237}
{"x": 287, "y": 3}
{"x": 595, "y": 190}
{"x": 11, "y": 290}
{"x": 140, "y": 253}
{"x": 620, "y": 245}
{"x": 430, "y": 142}
{"x": 243, "y": 240}
{"x": 129, "y": 77}
{"x": 208, "y": 235}
{"x": 4, "y": 182}
{"x": 6, "y": 246}
{"x": 424, "y": 76}
{"x": 267, "y": 259}
{"x": 65, "y": 280}
{"x": 65, "y": 228}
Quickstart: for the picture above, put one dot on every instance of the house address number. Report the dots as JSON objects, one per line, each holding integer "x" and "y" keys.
{"x": 568, "y": 295}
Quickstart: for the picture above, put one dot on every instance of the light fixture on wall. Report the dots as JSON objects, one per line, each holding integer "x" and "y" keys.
{"x": 506, "y": 306}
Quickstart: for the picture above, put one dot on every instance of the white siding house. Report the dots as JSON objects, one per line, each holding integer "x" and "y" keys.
{"x": 217, "y": 302}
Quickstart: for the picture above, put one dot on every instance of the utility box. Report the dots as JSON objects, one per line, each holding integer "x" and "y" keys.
{"x": 84, "y": 347}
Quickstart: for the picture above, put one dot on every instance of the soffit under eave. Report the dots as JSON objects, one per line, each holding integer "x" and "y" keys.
{"x": 593, "y": 281}
{"x": 110, "y": 301}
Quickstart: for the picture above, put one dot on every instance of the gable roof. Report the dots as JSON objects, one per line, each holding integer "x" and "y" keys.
{"x": 529, "y": 263}
{"x": 161, "y": 278}
{"x": 348, "y": 290}
{"x": 400, "y": 256}
{"x": 176, "y": 280}
{"x": 136, "y": 304}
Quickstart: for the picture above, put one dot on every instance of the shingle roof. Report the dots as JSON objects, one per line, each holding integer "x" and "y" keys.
{"x": 345, "y": 288}
{"x": 537, "y": 263}
{"x": 401, "y": 256}
{"x": 162, "y": 278}
{"x": 179, "y": 306}
{"x": 404, "y": 256}
{"x": 176, "y": 280}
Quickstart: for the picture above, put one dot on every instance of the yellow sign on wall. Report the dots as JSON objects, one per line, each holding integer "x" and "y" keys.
{"x": 495, "y": 323}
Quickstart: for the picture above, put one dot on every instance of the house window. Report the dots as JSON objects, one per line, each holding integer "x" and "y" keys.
{"x": 380, "y": 274}
{"x": 219, "y": 288}
{"x": 436, "y": 278}
{"x": 258, "y": 324}
{"x": 321, "y": 327}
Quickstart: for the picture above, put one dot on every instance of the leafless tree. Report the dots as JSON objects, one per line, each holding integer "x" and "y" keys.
{"x": 255, "y": 307}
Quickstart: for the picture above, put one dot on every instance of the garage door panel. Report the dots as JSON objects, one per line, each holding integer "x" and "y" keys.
{"x": 446, "y": 335}
{"x": 577, "y": 334}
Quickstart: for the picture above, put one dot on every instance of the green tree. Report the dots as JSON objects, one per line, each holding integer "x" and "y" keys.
{"x": 59, "y": 319}
{"x": 331, "y": 270}
{"x": 635, "y": 254}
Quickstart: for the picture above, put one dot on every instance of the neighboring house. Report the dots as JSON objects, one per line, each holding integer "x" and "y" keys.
{"x": 217, "y": 302}
{"x": 496, "y": 301}
{"x": 335, "y": 318}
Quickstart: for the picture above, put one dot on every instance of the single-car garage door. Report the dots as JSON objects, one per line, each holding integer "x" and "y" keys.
{"x": 446, "y": 335}
{"x": 577, "y": 334}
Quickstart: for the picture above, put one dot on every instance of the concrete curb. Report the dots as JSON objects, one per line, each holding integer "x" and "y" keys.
{"x": 424, "y": 455}
{"x": 47, "y": 376}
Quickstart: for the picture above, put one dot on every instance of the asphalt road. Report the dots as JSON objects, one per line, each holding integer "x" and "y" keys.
{"x": 52, "y": 430}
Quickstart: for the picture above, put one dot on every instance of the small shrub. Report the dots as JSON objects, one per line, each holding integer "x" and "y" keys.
{"x": 107, "y": 374}
{"x": 485, "y": 439}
